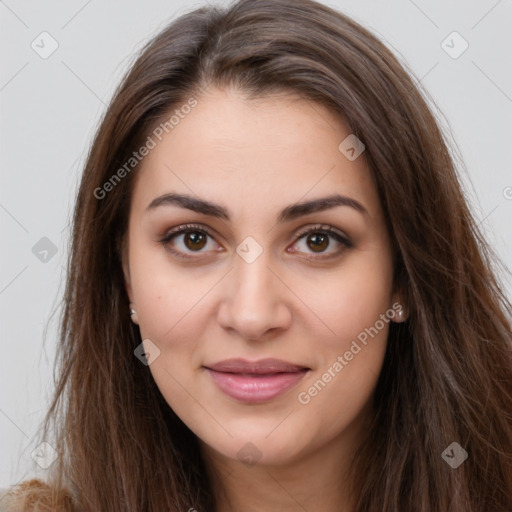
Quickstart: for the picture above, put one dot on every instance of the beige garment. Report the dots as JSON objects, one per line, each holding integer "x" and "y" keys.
{"x": 7, "y": 502}
{"x": 4, "y": 499}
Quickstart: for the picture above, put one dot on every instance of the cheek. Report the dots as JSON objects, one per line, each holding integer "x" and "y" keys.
{"x": 356, "y": 306}
{"x": 348, "y": 300}
{"x": 171, "y": 306}
{"x": 166, "y": 295}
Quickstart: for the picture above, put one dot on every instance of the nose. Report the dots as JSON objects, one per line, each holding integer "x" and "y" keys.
{"x": 255, "y": 300}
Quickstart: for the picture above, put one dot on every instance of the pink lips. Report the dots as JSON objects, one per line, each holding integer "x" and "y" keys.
{"x": 255, "y": 381}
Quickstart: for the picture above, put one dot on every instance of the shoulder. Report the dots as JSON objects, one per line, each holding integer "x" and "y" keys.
{"x": 33, "y": 496}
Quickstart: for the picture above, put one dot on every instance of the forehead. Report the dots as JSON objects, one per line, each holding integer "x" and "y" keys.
{"x": 253, "y": 153}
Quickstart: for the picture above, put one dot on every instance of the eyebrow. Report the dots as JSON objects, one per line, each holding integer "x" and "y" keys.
{"x": 287, "y": 214}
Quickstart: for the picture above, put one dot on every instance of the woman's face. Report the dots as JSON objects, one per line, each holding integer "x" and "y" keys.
{"x": 258, "y": 277}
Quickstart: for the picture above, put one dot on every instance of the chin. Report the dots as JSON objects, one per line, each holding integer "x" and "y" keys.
{"x": 260, "y": 447}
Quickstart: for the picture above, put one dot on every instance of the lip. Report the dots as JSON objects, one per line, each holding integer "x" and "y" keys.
{"x": 255, "y": 381}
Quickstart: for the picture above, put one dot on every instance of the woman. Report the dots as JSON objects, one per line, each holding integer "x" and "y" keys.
{"x": 276, "y": 298}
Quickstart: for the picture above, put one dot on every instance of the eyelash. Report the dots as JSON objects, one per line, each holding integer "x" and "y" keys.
{"x": 192, "y": 228}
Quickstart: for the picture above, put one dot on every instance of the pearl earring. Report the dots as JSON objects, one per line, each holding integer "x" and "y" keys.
{"x": 132, "y": 311}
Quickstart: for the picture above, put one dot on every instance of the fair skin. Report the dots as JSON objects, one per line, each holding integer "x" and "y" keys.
{"x": 255, "y": 158}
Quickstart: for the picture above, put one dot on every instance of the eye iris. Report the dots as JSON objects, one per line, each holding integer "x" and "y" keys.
{"x": 320, "y": 241}
{"x": 197, "y": 240}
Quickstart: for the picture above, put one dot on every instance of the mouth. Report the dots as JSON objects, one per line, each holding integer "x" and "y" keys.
{"x": 255, "y": 381}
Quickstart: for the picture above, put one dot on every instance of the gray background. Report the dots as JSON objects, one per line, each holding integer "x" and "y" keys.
{"x": 50, "y": 109}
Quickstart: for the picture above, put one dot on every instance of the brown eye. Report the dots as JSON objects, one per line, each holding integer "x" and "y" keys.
{"x": 186, "y": 240}
{"x": 318, "y": 242}
{"x": 194, "y": 240}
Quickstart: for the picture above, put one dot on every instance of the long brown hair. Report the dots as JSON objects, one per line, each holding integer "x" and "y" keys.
{"x": 447, "y": 374}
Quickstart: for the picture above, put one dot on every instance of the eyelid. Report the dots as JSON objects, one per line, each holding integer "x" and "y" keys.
{"x": 187, "y": 227}
{"x": 326, "y": 228}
